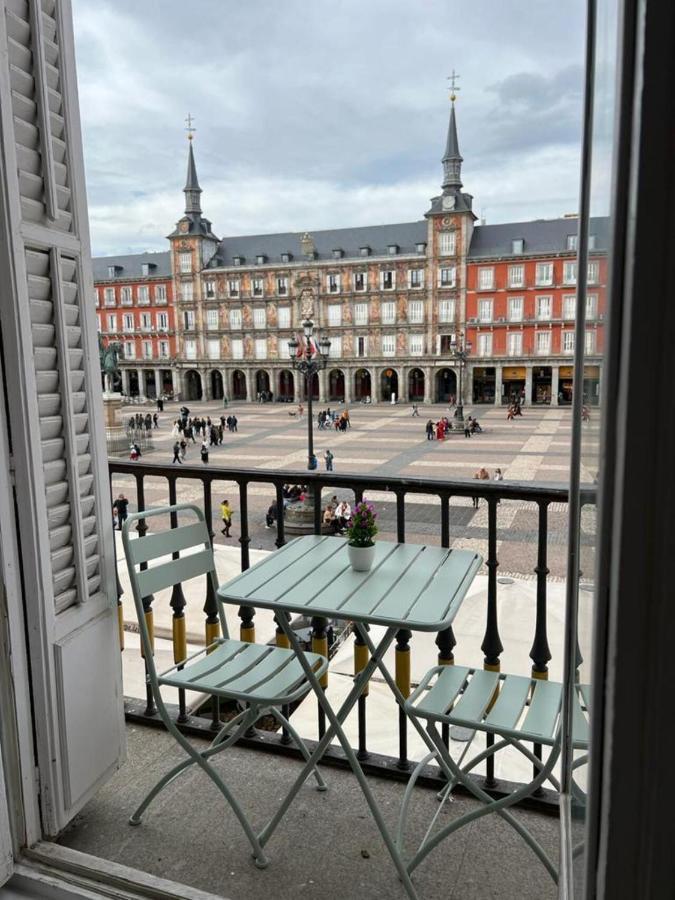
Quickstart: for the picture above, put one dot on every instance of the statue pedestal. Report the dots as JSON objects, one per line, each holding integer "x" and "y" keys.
{"x": 115, "y": 433}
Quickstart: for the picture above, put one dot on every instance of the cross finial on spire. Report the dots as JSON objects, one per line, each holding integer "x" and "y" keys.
{"x": 454, "y": 87}
{"x": 190, "y": 127}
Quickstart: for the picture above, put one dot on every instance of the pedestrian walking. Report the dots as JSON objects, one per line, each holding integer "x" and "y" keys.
{"x": 235, "y": 420}
{"x": 415, "y": 410}
{"x": 176, "y": 453}
{"x": 430, "y": 430}
{"x": 183, "y": 449}
{"x": 204, "y": 452}
{"x": 467, "y": 427}
{"x": 120, "y": 506}
{"x": 155, "y": 421}
{"x": 328, "y": 456}
{"x": 226, "y": 516}
{"x": 160, "y": 404}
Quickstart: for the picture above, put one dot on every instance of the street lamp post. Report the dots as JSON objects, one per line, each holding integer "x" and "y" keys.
{"x": 309, "y": 361}
{"x": 460, "y": 350}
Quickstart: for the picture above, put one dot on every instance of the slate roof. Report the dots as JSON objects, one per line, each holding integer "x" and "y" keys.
{"x": 349, "y": 240}
{"x": 541, "y": 236}
{"x": 131, "y": 265}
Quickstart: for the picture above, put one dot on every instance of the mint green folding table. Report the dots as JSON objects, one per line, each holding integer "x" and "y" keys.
{"x": 410, "y": 586}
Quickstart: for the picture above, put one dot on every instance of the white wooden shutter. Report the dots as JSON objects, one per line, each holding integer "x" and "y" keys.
{"x": 6, "y": 860}
{"x": 54, "y": 405}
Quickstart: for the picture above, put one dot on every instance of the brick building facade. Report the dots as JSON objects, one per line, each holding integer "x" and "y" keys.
{"x": 390, "y": 298}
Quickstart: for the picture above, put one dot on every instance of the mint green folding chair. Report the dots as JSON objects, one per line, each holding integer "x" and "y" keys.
{"x": 516, "y": 711}
{"x": 259, "y": 678}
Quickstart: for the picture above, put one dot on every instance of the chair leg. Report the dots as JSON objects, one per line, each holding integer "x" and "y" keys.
{"x": 302, "y": 747}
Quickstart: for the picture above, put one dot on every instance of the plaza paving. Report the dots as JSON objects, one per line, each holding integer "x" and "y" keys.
{"x": 387, "y": 440}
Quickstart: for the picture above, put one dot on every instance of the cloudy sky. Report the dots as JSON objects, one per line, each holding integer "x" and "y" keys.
{"x": 323, "y": 113}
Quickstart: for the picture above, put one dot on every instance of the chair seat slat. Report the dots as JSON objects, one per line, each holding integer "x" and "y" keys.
{"x": 580, "y": 727}
{"x": 542, "y": 717}
{"x": 442, "y": 695}
{"x": 509, "y": 706}
{"x": 477, "y": 695}
{"x": 176, "y": 571}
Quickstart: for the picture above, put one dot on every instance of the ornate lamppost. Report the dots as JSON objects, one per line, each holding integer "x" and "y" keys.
{"x": 309, "y": 360}
{"x": 459, "y": 351}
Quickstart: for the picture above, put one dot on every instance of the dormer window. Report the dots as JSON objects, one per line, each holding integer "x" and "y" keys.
{"x": 338, "y": 254}
{"x": 238, "y": 260}
{"x": 421, "y": 247}
{"x": 571, "y": 242}
{"x": 591, "y": 242}
{"x": 147, "y": 269}
{"x": 364, "y": 251}
{"x": 517, "y": 246}
{"x": 286, "y": 256}
{"x": 260, "y": 259}
{"x": 113, "y": 271}
{"x": 392, "y": 249}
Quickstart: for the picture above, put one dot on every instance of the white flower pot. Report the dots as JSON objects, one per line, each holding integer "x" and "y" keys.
{"x": 361, "y": 558}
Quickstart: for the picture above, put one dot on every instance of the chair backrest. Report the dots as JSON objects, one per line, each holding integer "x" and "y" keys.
{"x": 151, "y": 563}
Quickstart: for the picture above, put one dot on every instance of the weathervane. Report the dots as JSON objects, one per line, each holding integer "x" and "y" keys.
{"x": 190, "y": 127}
{"x": 453, "y": 85}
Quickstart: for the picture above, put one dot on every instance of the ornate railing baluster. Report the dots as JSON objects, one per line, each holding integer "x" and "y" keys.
{"x": 400, "y": 517}
{"x": 540, "y": 653}
{"x": 118, "y": 583}
{"x": 361, "y": 657}
{"x": 402, "y": 678}
{"x": 492, "y": 645}
{"x": 445, "y": 640}
{"x": 178, "y": 603}
{"x": 212, "y": 624}
{"x": 142, "y": 528}
{"x": 246, "y": 613}
{"x": 320, "y": 645}
{"x": 281, "y": 530}
{"x": 317, "y": 508}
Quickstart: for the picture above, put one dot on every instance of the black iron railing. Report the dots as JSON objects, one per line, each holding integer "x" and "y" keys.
{"x": 492, "y": 492}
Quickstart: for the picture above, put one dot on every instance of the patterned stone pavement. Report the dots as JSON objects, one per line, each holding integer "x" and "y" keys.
{"x": 387, "y": 440}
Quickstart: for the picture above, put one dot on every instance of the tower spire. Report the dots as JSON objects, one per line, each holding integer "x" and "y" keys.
{"x": 452, "y": 158}
{"x": 191, "y": 189}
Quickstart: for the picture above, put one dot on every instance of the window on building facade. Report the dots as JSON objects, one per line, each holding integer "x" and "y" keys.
{"x": 486, "y": 278}
{"x": 233, "y": 287}
{"x": 515, "y": 309}
{"x": 112, "y": 271}
{"x": 112, "y": 323}
{"x": 212, "y": 319}
{"x": 516, "y": 276}
{"x": 333, "y": 284}
{"x": 569, "y": 306}
{"x": 415, "y": 278}
{"x": 569, "y": 272}
{"x": 544, "y": 273}
{"x": 571, "y": 242}
{"x": 96, "y": 297}
{"x": 543, "y": 343}
{"x": 485, "y": 310}
{"x": 162, "y": 320}
{"x": 259, "y": 317}
{"x": 190, "y": 348}
{"x": 213, "y": 348}
{"x": 447, "y": 243}
{"x": 129, "y": 350}
{"x": 589, "y": 342}
{"x": 387, "y": 280}
{"x": 517, "y": 246}
{"x": 544, "y": 308}
{"x": 210, "y": 289}
{"x": 98, "y": 324}
{"x": 257, "y": 287}
{"x": 147, "y": 349}
{"x": 415, "y": 311}
{"x": 335, "y": 315}
{"x": 360, "y": 313}
{"x": 109, "y": 296}
{"x": 362, "y": 346}
{"x": 143, "y": 294}
{"x": 335, "y": 347}
{"x": 447, "y": 276}
{"x": 392, "y": 249}
{"x": 416, "y": 344}
{"x": 164, "y": 349}
{"x": 128, "y": 322}
{"x": 125, "y": 296}
{"x": 237, "y": 348}
{"x": 284, "y": 317}
{"x": 515, "y": 343}
{"x": 160, "y": 293}
{"x": 146, "y": 322}
{"x": 360, "y": 281}
{"x": 446, "y": 311}
{"x": 185, "y": 263}
{"x": 235, "y": 318}
{"x": 485, "y": 345}
{"x": 388, "y": 344}
{"x": 591, "y": 306}
{"x": 282, "y": 287}
{"x": 188, "y": 320}
{"x": 591, "y": 242}
{"x": 261, "y": 348}
{"x": 187, "y": 291}
{"x": 388, "y": 312}
{"x": 568, "y": 342}
{"x": 260, "y": 259}
{"x": 145, "y": 269}
{"x": 364, "y": 251}
{"x": 593, "y": 271}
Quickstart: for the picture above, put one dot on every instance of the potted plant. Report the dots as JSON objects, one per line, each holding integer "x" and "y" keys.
{"x": 361, "y": 529}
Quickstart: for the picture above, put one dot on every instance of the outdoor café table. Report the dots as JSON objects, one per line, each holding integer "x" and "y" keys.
{"x": 410, "y": 586}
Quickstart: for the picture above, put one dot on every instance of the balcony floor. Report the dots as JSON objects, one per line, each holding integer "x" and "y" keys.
{"x": 191, "y": 836}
